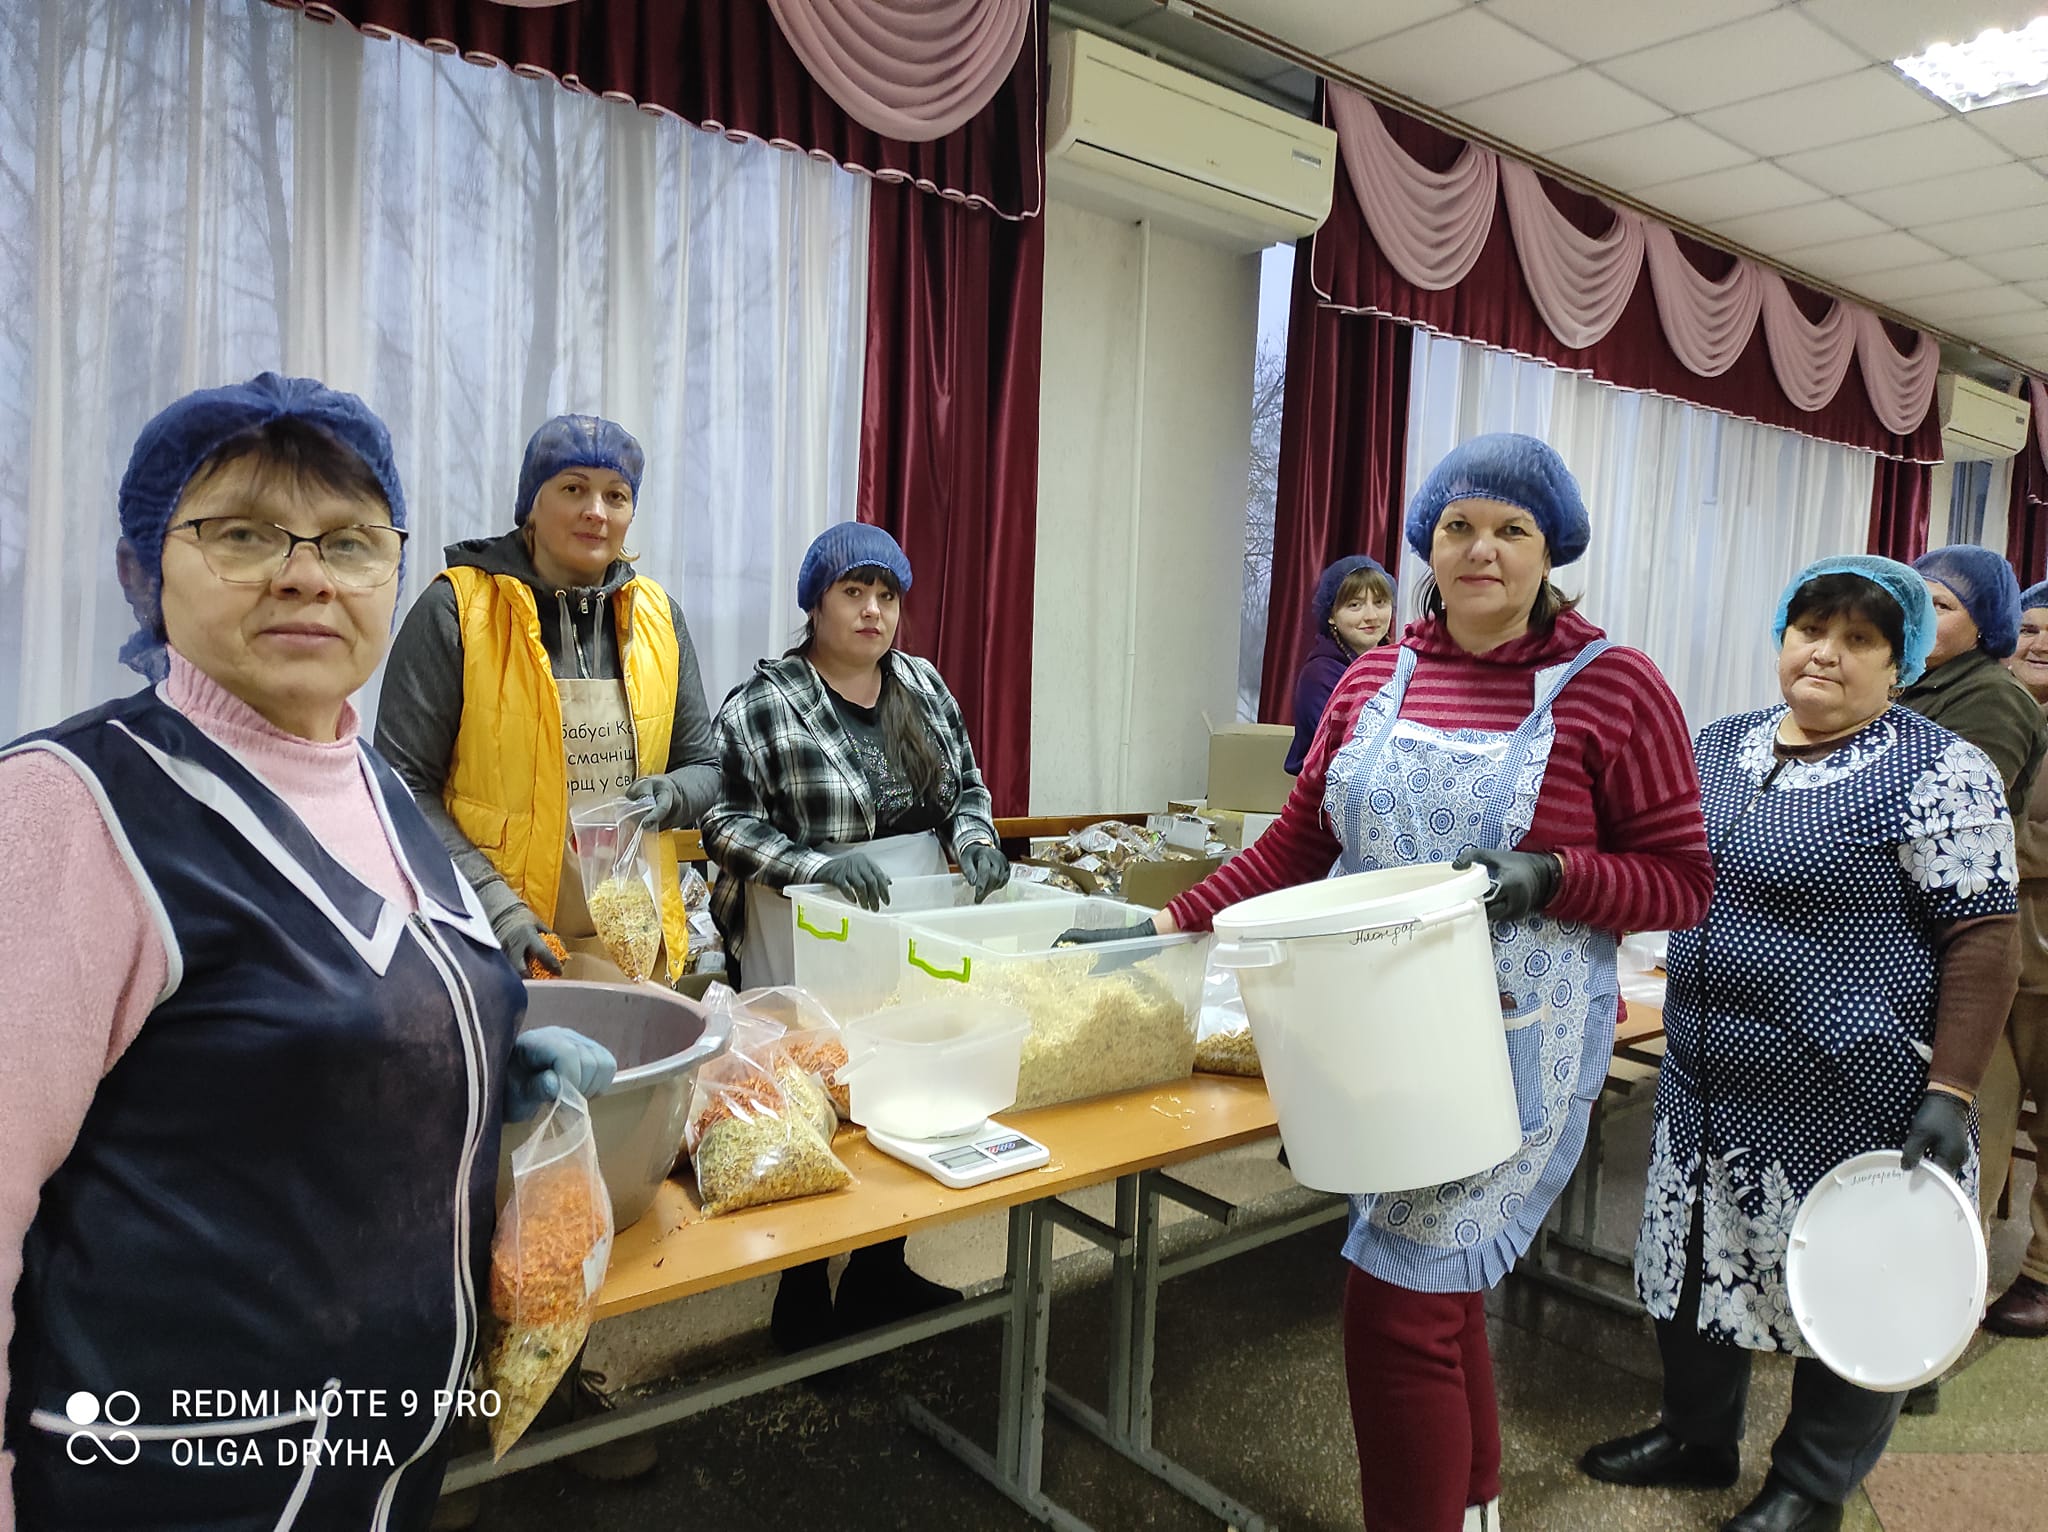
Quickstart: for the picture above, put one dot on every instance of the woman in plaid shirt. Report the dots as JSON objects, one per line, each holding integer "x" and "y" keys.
{"x": 848, "y": 763}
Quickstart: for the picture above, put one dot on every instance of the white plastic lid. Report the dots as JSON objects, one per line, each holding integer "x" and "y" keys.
{"x": 1885, "y": 1271}
{"x": 1352, "y": 903}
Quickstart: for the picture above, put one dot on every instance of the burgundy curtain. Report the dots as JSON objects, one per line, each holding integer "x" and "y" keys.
{"x": 1900, "y": 500}
{"x": 1492, "y": 304}
{"x": 726, "y": 66}
{"x": 949, "y": 452}
{"x": 1343, "y": 454}
{"x": 2026, "y": 524}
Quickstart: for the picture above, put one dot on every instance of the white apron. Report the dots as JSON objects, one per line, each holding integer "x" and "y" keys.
{"x": 768, "y": 958}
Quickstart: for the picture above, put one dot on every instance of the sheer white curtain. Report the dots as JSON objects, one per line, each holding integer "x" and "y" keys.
{"x": 1698, "y": 518}
{"x": 205, "y": 191}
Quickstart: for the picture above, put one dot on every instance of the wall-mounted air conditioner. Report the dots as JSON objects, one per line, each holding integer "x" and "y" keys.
{"x": 1978, "y": 423}
{"x": 1135, "y": 138}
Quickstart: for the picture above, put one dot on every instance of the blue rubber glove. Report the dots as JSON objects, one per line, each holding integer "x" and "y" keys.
{"x": 985, "y": 868}
{"x": 547, "y": 1057}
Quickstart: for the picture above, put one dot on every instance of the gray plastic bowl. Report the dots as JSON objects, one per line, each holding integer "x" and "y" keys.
{"x": 659, "y": 1039}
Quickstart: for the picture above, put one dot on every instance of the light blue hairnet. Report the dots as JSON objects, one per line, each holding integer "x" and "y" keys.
{"x": 1517, "y": 470}
{"x": 1333, "y": 580}
{"x": 1987, "y": 588}
{"x": 576, "y": 441}
{"x": 1899, "y": 581}
{"x": 179, "y": 440}
{"x": 2034, "y": 597}
{"x": 843, "y": 548}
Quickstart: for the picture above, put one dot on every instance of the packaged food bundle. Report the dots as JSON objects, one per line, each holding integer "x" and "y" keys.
{"x": 548, "y": 1261}
{"x": 1223, "y": 1033}
{"x": 536, "y": 969}
{"x": 751, "y": 1141}
{"x": 811, "y": 1043}
{"x": 615, "y": 855}
{"x": 707, "y": 948}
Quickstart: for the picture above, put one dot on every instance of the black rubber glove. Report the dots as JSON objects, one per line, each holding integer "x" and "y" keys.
{"x": 1940, "y": 1132}
{"x": 665, "y": 807}
{"x": 985, "y": 868}
{"x": 1083, "y": 936}
{"x": 1523, "y": 881}
{"x": 519, "y": 933}
{"x": 855, "y": 875}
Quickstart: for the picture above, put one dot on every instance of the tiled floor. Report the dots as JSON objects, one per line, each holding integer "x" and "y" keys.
{"x": 1251, "y": 1394}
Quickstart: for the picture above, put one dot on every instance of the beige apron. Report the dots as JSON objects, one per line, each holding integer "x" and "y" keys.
{"x": 769, "y": 956}
{"x": 603, "y": 759}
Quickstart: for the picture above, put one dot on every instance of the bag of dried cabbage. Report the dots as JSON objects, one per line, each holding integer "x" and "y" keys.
{"x": 615, "y": 856}
{"x": 756, "y": 1136}
{"x": 1223, "y": 1033}
{"x": 548, "y": 1260}
{"x": 811, "y": 1042}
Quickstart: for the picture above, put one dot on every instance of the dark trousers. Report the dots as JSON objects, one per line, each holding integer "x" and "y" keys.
{"x": 1835, "y": 1433}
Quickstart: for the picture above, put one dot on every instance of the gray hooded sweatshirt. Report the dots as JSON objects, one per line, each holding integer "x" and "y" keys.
{"x": 420, "y": 709}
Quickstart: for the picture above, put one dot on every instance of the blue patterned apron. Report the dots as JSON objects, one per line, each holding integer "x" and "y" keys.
{"x": 1400, "y": 793}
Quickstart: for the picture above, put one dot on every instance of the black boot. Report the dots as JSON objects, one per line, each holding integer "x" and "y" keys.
{"x": 878, "y": 1287}
{"x": 1656, "y": 1457}
{"x": 803, "y": 1315}
{"x": 1779, "y": 1507}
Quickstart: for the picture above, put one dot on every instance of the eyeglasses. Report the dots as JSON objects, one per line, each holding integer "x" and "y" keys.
{"x": 244, "y": 551}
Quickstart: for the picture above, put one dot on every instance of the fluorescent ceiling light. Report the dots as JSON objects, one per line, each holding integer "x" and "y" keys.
{"x": 1994, "y": 68}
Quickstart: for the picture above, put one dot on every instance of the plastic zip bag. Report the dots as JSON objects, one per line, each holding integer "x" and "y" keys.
{"x": 811, "y": 1043}
{"x": 755, "y": 1135}
{"x": 614, "y": 853}
{"x": 1223, "y": 1033}
{"x": 548, "y": 1261}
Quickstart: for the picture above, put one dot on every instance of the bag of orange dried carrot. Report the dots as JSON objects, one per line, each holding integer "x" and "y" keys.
{"x": 548, "y": 1260}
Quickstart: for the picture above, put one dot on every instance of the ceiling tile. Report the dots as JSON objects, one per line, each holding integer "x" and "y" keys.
{"x": 1725, "y": 194}
{"x": 1458, "y": 58}
{"x": 1766, "y": 53}
{"x": 1564, "y": 109}
{"x": 1989, "y": 303}
{"x": 1886, "y": 159}
{"x": 1924, "y": 281}
{"x": 1989, "y": 234}
{"x": 1942, "y": 199}
{"x": 1889, "y": 29}
{"x": 2023, "y": 327}
{"x": 1602, "y": 31}
{"x": 1792, "y": 228}
{"x": 1663, "y": 151}
{"x": 1326, "y": 29}
{"x": 2021, "y": 126}
{"x": 2029, "y": 263}
{"x": 1845, "y": 259}
{"x": 2036, "y": 289}
{"x": 1850, "y": 106}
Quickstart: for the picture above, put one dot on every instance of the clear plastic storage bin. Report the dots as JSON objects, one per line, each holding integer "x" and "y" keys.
{"x": 1106, "y": 1017}
{"x": 933, "y": 1070}
{"x": 851, "y": 959}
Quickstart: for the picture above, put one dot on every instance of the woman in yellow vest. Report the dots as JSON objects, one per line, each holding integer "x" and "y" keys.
{"x": 539, "y": 675}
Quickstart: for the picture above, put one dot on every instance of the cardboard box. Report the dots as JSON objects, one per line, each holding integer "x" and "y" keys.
{"x": 1245, "y": 768}
{"x": 1157, "y": 884}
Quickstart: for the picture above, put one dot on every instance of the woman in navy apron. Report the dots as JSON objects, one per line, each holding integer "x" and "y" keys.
{"x": 261, "y": 1037}
{"x": 1504, "y": 730}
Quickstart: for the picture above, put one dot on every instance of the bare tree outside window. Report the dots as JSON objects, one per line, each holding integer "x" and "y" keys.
{"x": 1262, "y": 479}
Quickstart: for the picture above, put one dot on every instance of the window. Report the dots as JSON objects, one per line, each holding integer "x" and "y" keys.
{"x": 1269, "y": 386}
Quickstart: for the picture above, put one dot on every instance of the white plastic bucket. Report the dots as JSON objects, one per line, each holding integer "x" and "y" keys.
{"x": 932, "y": 1070}
{"x": 1377, "y": 1016}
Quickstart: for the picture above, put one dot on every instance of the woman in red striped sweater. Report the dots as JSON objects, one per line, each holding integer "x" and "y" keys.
{"x": 1506, "y": 730}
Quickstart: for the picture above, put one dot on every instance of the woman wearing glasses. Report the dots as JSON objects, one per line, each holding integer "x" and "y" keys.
{"x": 539, "y": 675}
{"x": 258, "y": 1038}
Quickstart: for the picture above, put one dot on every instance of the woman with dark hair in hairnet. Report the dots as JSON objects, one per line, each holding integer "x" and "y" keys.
{"x": 251, "y": 1081}
{"x": 1352, "y": 611}
{"x": 539, "y": 675}
{"x": 1503, "y": 730}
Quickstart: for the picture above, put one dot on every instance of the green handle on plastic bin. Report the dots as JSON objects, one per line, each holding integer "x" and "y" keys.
{"x": 845, "y": 928}
{"x": 966, "y": 967}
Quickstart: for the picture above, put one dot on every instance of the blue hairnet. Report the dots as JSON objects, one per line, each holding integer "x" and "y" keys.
{"x": 1987, "y": 588}
{"x": 1896, "y": 580}
{"x": 1333, "y": 581}
{"x": 2034, "y": 597}
{"x": 182, "y": 436}
{"x": 576, "y": 441}
{"x": 1518, "y": 470}
{"x": 843, "y": 548}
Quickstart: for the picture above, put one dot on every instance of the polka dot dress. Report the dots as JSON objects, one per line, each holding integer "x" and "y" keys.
{"x": 1800, "y": 1015}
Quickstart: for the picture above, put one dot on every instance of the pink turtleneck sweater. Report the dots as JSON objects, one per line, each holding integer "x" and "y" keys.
{"x": 86, "y": 959}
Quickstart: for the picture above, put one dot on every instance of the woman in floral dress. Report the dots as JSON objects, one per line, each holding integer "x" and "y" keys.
{"x": 1844, "y": 994}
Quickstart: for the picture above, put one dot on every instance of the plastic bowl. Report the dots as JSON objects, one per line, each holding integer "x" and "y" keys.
{"x": 933, "y": 1070}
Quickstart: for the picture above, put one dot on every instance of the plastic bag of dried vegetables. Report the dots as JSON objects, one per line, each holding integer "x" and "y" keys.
{"x": 756, "y": 1136}
{"x": 1223, "y": 1033}
{"x": 615, "y": 855}
{"x": 548, "y": 1260}
{"x": 811, "y": 1042}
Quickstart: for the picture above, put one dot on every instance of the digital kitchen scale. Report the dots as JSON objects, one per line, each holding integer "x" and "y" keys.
{"x": 966, "y": 1159}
